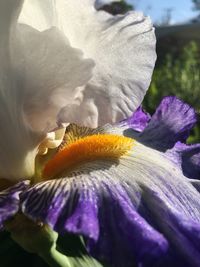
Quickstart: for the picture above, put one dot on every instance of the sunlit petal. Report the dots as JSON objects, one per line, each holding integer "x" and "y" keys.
{"x": 138, "y": 121}
{"x": 122, "y": 48}
{"x": 51, "y": 75}
{"x": 143, "y": 192}
{"x": 38, "y": 70}
{"x": 171, "y": 122}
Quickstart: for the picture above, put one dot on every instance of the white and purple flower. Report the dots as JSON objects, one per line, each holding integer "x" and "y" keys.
{"x": 64, "y": 62}
{"x": 131, "y": 198}
{"x": 125, "y": 188}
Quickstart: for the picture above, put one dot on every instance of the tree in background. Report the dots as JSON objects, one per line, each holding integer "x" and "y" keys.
{"x": 166, "y": 18}
{"x": 196, "y": 4}
{"x": 196, "y": 8}
{"x": 117, "y": 7}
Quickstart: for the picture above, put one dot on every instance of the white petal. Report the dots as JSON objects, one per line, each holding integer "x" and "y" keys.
{"x": 52, "y": 140}
{"x": 39, "y": 14}
{"x": 16, "y": 156}
{"x": 122, "y": 47}
{"x": 53, "y": 72}
{"x": 40, "y": 73}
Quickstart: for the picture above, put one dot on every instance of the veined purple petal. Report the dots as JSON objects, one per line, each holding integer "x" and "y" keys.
{"x": 139, "y": 209}
{"x": 84, "y": 219}
{"x": 125, "y": 237}
{"x": 9, "y": 201}
{"x": 139, "y": 120}
{"x": 188, "y": 158}
{"x": 182, "y": 230}
{"x": 103, "y": 214}
{"x": 171, "y": 122}
{"x": 65, "y": 205}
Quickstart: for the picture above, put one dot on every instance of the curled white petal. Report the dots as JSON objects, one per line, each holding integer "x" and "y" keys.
{"x": 122, "y": 47}
{"x": 37, "y": 70}
{"x": 52, "y": 140}
{"x": 67, "y": 63}
{"x": 53, "y": 73}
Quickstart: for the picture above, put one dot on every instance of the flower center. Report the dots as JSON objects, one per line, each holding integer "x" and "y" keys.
{"x": 90, "y": 148}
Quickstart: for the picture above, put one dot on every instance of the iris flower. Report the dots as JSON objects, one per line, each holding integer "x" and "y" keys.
{"x": 64, "y": 62}
{"x": 128, "y": 188}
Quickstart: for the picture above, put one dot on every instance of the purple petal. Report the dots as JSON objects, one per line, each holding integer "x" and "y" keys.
{"x": 125, "y": 237}
{"x": 84, "y": 219}
{"x": 9, "y": 201}
{"x": 171, "y": 122}
{"x": 64, "y": 206}
{"x": 128, "y": 210}
{"x": 139, "y": 120}
{"x": 80, "y": 206}
{"x": 188, "y": 158}
{"x": 182, "y": 231}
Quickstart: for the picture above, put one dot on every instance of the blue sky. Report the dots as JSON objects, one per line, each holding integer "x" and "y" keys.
{"x": 182, "y": 9}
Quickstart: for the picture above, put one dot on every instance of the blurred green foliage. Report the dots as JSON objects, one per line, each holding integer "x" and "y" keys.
{"x": 180, "y": 76}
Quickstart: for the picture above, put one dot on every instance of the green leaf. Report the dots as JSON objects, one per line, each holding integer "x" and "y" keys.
{"x": 71, "y": 246}
{"x": 74, "y": 247}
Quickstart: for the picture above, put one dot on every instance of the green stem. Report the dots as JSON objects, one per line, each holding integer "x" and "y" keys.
{"x": 55, "y": 259}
